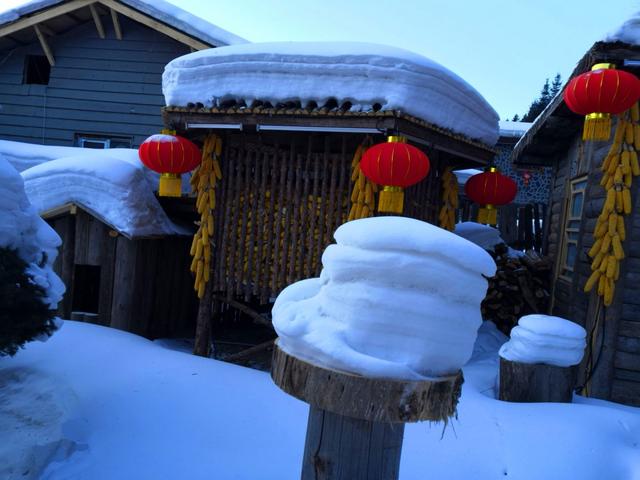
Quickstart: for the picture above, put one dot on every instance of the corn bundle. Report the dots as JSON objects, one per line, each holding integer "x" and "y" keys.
{"x": 619, "y": 167}
{"x": 363, "y": 202}
{"x": 203, "y": 183}
{"x": 447, "y": 216}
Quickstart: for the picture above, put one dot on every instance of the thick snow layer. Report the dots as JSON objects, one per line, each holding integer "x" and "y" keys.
{"x": 21, "y": 228}
{"x": 466, "y": 174}
{"x": 482, "y": 235}
{"x": 157, "y": 9}
{"x": 628, "y": 32}
{"x": 513, "y": 129}
{"x": 360, "y": 73}
{"x": 114, "y": 405}
{"x": 397, "y": 298}
{"x": 545, "y": 339}
{"x": 115, "y": 190}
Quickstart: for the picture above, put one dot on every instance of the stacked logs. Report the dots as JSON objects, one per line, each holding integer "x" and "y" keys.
{"x": 203, "y": 182}
{"x": 447, "y": 216}
{"x": 520, "y": 287}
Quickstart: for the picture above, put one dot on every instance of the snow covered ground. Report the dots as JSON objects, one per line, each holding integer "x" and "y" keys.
{"x": 97, "y": 403}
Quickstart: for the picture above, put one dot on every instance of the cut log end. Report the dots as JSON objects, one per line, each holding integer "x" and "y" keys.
{"x": 373, "y": 399}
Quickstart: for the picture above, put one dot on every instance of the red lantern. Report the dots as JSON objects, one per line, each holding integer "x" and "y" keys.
{"x": 600, "y": 93}
{"x": 169, "y": 155}
{"x": 395, "y": 165}
{"x": 490, "y": 189}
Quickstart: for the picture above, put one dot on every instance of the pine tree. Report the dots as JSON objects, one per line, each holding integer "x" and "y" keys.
{"x": 516, "y": 118}
{"x": 24, "y": 312}
{"x": 546, "y": 95}
{"x": 556, "y": 86}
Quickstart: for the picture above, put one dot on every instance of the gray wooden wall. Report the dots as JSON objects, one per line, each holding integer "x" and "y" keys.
{"x": 98, "y": 86}
{"x": 617, "y": 376}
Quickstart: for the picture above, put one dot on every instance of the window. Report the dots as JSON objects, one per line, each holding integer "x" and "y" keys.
{"x": 100, "y": 142}
{"x": 571, "y": 232}
{"x": 86, "y": 289}
{"x": 36, "y": 70}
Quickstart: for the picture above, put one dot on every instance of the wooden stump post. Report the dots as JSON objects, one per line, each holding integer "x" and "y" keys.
{"x": 523, "y": 382}
{"x": 356, "y": 424}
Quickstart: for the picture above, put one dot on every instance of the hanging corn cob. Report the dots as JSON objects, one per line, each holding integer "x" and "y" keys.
{"x": 447, "y": 214}
{"x": 203, "y": 182}
{"x": 363, "y": 202}
{"x": 619, "y": 167}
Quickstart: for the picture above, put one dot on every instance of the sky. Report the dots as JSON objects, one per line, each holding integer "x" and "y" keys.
{"x": 504, "y": 48}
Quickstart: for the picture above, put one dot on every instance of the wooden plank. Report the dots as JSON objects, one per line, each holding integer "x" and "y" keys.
{"x": 626, "y": 392}
{"x": 123, "y": 277}
{"x": 107, "y": 271}
{"x": 287, "y": 216}
{"x": 44, "y": 45}
{"x": 269, "y": 258}
{"x": 97, "y": 20}
{"x": 253, "y": 180}
{"x": 627, "y": 361}
{"x": 263, "y": 160}
{"x": 116, "y": 23}
{"x": 156, "y": 25}
{"x": 279, "y": 220}
{"x": 52, "y": 12}
{"x": 629, "y": 329}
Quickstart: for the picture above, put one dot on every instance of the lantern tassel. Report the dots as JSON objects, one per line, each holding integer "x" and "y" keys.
{"x": 391, "y": 200}
{"x": 170, "y": 185}
{"x": 597, "y": 127}
{"x": 488, "y": 215}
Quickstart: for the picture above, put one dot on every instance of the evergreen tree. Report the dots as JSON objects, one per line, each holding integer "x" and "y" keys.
{"x": 546, "y": 95}
{"x": 556, "y": 86}
{"x": 516, "y": 118}
{"x": 24, "y": 311}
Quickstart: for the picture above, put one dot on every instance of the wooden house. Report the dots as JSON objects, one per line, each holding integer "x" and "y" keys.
{"x": 88, "y": 73}
{"x": 611, "y": 369}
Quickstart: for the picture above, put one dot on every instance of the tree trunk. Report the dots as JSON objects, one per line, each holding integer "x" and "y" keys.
{"x": 523, "y": 382}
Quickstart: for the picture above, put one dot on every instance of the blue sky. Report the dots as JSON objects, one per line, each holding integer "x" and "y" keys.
{"x": 504, "y": 48}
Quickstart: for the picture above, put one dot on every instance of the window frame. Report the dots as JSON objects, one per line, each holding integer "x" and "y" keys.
{"x": 567, "y": 229}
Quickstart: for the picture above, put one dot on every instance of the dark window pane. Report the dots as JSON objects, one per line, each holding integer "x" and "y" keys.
{"x": 576, "y": 208}
{"x": 36, "y": 70}
{"x": 572, "y": 253}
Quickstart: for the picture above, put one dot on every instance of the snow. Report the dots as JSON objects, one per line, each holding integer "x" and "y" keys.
{"x": 513, "y": 129}
{"x": 157, "y": 9}
{"x": 545, "y": 339}
{"x": 466, "y": 174}
{"x": 97, "y": 403}
{"x": 22, "y": 229}
{"x": 361, "y": 73}
{"x": 482, "y": 235}
{"x": 397, "y": 298}
{"x": 114, "y": 189}
{"x": 628, "y": 32}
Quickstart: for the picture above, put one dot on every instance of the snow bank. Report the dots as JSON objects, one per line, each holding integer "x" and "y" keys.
{"x": 397, "y": 298}
{"x": 115, "y": 190}
{"x": 360, "y": 73}
{"x": 513, "y": 129}
{"x": 157, "y": 9}
{"x": 628, "y": 32}
{"x": 22, "y": 229}
{"x": 482, "y": 235}
{"x": 545, "y": 339}
{"x": 129, "y": 408}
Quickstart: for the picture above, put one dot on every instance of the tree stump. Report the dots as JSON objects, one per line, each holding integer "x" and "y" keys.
{"x": 356, "y": 424}
{"x": 524, "y": 382}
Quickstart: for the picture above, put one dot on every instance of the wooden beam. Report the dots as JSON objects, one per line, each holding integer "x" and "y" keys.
{"x": 46, "y": 30}
{"x": 45, "y": 45}
{"x": 116, "y": 24}
{"x": 96, "y": 20}
{"x": 30, "y": 21}
{"x": 154, "y": 24}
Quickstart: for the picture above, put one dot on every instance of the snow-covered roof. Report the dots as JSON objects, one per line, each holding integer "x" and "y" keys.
{"x": 628, "y": 32}
{"x": 466, "y": 174}
{"x": 513, "y": 129}
{"x": 159, "y": 10}
{"x": 367, "y": 76}
{"x": 112, "y": 185}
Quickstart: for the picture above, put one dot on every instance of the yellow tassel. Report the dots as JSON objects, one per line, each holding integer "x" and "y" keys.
{"x": 391, "y": 200}
{"x": 597, "y": 127}
{"x": 170, "y": 185}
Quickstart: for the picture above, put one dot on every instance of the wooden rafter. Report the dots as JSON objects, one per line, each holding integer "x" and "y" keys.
{"x": 46, "y": 30}
{"x": 154, "y": 24}
{"x": 116, "y": 24}
{"x": 96, "y": 20}
{"x": 45, "y": 45}
{"x": 30, "y": 21}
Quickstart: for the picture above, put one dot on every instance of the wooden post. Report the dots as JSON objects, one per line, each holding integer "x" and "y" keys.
{"x": 356, "y": 424}
{"x": 524, "y": 382}
{"x": 202, "y": 343}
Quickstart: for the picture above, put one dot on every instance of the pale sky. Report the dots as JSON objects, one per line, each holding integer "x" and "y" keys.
{"x": 504, "y": 48}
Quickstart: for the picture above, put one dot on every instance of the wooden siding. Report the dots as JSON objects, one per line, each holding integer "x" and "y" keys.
{"x": 103, "y": 87}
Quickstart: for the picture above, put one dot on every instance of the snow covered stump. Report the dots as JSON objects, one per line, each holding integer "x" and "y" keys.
{"x": 378, "y": 341}
{"x": 540, "y": 361}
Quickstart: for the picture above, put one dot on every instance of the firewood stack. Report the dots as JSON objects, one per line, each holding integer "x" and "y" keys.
{"x": 520, "y": 287}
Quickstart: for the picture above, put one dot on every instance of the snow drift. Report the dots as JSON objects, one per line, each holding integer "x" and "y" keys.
{"x": 360, "y": 73}
{"x": 397, "y": 298}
